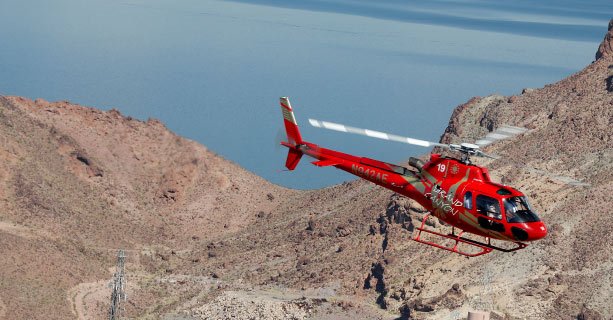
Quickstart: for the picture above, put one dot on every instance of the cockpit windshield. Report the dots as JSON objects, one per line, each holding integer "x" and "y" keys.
{"x": 518, "y": 210}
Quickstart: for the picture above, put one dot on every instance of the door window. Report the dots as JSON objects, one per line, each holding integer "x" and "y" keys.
{"x": 489, "y": 206}
{"x": 468, "y": 200}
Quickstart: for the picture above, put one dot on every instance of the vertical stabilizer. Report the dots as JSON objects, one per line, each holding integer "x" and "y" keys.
{"x": 293, "y": 134}
{"x": 291, "y": 126}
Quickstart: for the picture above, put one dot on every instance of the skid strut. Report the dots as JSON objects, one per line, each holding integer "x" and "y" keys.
{"x": 484, "y": 247}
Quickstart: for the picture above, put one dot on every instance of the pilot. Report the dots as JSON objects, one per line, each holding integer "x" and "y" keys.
{"x": 511, "y": 214}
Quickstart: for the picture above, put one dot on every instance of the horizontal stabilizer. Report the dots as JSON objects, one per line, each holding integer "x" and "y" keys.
{"x": 326, "y": 163}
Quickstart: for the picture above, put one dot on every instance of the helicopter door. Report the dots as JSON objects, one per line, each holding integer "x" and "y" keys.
{"x": 489, "y": 213}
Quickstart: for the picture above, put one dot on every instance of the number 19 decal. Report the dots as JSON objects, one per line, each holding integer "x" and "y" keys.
{"x": 441, "y": 167}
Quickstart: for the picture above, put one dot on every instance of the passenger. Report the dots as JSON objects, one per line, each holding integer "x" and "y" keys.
{"x": 493, "y": 212}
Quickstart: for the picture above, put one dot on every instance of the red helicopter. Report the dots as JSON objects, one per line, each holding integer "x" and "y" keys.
{"x": 453, "y": 190}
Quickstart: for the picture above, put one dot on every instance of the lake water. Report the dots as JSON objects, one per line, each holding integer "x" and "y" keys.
{"x": 213, "y": 70}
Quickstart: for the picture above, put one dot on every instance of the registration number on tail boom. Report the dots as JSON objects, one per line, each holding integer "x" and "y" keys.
{"x": 369, "y": 173}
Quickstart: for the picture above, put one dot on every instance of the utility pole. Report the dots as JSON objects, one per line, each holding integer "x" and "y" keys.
{"x": 118, "y": 285}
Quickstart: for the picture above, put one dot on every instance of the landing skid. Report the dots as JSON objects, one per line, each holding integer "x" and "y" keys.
{"x": 484, "y": 247}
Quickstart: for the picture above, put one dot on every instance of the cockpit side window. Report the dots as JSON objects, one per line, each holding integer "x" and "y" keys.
{"x": 488, "y": 206}
{"x": 468, "y": 200}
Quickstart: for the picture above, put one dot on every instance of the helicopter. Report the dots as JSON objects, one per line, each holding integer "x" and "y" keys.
{"x": 454, "y": 190}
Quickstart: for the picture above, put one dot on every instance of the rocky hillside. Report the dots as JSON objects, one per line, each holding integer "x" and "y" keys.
{"x": 206, "y": 239}
{"x": 76, "y": 183}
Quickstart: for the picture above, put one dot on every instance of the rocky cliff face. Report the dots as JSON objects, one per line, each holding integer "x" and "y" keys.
{"x": 206, "y": 239}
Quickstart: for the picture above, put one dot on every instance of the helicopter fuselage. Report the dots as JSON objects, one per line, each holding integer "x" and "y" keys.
{"x": 459, "y": 194}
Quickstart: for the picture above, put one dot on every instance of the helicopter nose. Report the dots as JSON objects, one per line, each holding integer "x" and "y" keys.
{"x": 536, "y": 231}
{"x": 529, "y": 231}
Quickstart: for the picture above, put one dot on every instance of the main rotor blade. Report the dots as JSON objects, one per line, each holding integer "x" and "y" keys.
{"x": 374, "y": 134}
{"x": 564, "y": 179}
{"x": 503, "y": 132}
{"x": 487, "y": 155}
